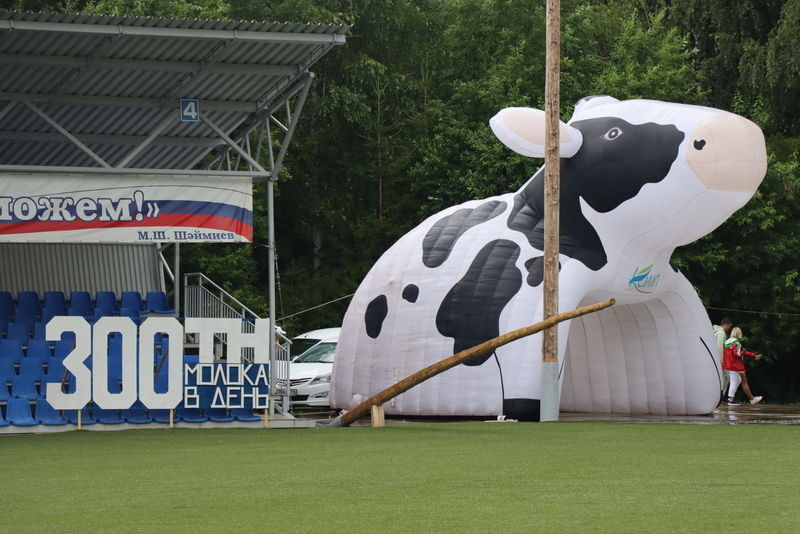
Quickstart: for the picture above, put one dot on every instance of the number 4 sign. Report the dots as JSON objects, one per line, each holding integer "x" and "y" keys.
{"x": 190, "y": 110}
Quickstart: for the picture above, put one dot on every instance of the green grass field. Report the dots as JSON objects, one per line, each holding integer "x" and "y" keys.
{"x": 422, "y": 477}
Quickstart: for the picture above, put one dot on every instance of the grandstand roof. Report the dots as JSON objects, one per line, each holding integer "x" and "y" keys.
{"x": 85, "y": 91}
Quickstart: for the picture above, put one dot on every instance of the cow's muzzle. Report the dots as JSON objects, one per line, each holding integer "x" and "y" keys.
{"x": 727, "y": 152}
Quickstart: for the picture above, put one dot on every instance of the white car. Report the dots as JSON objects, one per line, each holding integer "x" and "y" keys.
{"x": 310, "y": 374}
{"x": 305, "y": 341}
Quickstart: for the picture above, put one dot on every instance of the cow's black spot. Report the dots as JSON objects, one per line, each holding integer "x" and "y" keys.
{"x": 377, "y": 310}
{"x": 577, "y": 238}
{"x": 410, "y": 293}
{"x": 442, "y": 237}
{"x": 605, "y": 172}
{"x": 698, "y": 145}
{"x": 609, "y": 172}
{"x": 470, "y": 312}
{"x": 535, "y": 267}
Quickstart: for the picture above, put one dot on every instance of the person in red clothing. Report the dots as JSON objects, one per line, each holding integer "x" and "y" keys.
{"x": 733, "y": 363}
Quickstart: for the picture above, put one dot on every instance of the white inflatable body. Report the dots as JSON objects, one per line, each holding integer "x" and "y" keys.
{"x": 638, "y": 178}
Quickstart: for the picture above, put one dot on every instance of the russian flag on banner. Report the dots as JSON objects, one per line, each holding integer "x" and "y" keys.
{"x": 125, "y": 209}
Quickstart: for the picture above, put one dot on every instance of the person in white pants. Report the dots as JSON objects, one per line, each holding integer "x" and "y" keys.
{"x": 733, "y": 364}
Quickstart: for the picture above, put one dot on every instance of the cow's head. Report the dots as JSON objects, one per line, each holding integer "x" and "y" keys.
{"x": 648, "y": 173}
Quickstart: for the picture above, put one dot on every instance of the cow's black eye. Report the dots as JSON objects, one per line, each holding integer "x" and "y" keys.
{"x": 612, "y": 134}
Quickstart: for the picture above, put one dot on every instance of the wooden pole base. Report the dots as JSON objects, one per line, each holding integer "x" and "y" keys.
{"x": 378, "y": 419}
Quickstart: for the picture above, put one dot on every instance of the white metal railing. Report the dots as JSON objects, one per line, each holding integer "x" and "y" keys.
{"x": 203, "y": 298}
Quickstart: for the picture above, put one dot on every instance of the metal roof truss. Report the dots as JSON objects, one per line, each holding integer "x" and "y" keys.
{"x": 97, "y": 94}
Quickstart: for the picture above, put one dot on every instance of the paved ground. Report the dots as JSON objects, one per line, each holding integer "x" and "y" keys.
{"x": 770, "y": 414}
{"x": 738, "y": 414}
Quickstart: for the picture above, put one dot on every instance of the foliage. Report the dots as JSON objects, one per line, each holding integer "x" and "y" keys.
{"x": 204, "y": 9}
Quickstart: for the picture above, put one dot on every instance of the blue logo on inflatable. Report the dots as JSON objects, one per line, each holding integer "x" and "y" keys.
{"x": 643, "y": 280}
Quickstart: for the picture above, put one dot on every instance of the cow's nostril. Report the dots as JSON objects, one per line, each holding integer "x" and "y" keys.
{"x": 700, "y": 144}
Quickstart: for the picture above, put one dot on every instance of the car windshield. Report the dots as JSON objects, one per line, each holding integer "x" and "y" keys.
{"x": 299, "y": 346}
{"x": 323, "y": 352}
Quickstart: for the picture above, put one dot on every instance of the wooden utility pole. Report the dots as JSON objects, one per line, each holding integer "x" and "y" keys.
{"x": 451, "y": 361}
{"x": 550, "y": 397}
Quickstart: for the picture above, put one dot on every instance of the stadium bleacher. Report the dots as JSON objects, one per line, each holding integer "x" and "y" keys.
{"x": 28, "y": 361}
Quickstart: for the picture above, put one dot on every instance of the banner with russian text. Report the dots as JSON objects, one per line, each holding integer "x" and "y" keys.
{"x": 125, "y": 209}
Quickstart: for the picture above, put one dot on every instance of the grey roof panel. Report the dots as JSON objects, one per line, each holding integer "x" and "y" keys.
{"x": 121, "y": 77}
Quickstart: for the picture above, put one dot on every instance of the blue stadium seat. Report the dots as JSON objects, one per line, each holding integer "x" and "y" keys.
{"x": 3, "y": 324}
{"x": 157, "y": 302}
{"x": 161, "y": 382}
{"x": 137, "y": 414}
{"x": 107, "y": 417}
{"x": 40, "y": 331}
{"x": 133, "y": 313}
{"x": 132, "y": 299}
{"x": 20, "y": 332}
{"x": 25, "y": 317}
{"x": 11, "y": 349}
{"x": 190, "y": 415}
{"x": 3, "y": 420}
{"x": 29, "y": 300}
{"x": 114, "y": 364}
{"x": 6, "y": 370}
{"x": 114, "y": 384}
{"x": 80, "y": 303}
{"x": 4, "y": 394}
{"x": 63, "y": 347}
{"x": 6, "y": 303}
{"x": 55, "y": 373}
{"x": 162, "y": 416}
{"x": 86, "y": 416}
{"x": 46, "y": 316}
{"x": 24, "y": 387}
{"x": 55, "y": 303}
{"x": 31, "y": 367}
{"x": 104, "y": 311}
{"x": 40, "y": 349}
{"x": 219, "y": 415}
{"x": 19, "y": 413}
{"x": 245, "y": 414}
{"x": 47, "y": 415}
{"x": 67, "y": 383}
{"x": 161, "y": 347}
{"x": 105, "y": 300}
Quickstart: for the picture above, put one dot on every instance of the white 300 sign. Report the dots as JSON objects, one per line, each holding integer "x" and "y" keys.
{"x": 92, "y": 384}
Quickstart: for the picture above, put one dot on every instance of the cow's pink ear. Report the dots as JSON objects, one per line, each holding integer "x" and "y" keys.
{"x": 523, "y": 131}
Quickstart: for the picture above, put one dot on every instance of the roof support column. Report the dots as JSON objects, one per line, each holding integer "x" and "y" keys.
{"x": 275, "y": 166}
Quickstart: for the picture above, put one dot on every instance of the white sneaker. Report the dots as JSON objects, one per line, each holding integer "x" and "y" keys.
{"x": 756, "y": 400}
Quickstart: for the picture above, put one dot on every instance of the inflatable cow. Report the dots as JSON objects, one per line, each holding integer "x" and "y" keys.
{"x": 638, "y": 179}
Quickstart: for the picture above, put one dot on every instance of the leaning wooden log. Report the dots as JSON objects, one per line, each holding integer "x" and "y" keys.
{"x": 441, "y": 366}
